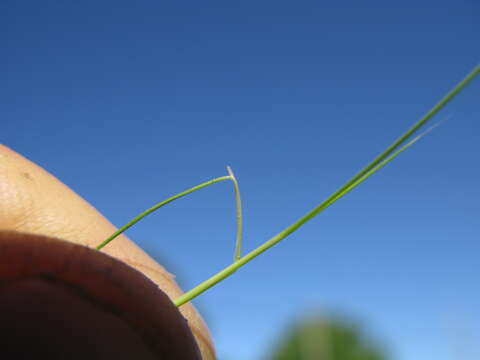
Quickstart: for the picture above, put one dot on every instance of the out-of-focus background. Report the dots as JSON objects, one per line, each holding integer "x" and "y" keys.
{"x": 131, "y": 102}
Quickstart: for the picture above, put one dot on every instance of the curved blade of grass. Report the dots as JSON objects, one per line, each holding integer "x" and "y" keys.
{"x": 238, "y": 203}
{"x": 158, "y": 206}
{"x": 379, "y": 162}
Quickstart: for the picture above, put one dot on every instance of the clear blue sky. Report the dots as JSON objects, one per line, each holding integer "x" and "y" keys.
{"x": 131, "y": 102}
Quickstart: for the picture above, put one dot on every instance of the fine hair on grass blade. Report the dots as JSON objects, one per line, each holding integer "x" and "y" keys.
{"x": 397, "y": 147}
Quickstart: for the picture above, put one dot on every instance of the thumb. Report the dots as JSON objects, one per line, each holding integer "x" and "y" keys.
{"x": 34, "y": 201}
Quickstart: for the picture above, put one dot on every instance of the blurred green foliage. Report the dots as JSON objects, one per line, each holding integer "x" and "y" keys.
{"x": 326, "y": 339}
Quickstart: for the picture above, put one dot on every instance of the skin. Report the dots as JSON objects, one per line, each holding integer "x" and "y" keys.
{"x": 67, "y": 301}
{"x": 35, "y": 202}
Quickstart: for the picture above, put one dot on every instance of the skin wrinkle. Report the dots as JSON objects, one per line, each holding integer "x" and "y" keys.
{"x": 166, "y": 275}
{"x": 43, "y": 205}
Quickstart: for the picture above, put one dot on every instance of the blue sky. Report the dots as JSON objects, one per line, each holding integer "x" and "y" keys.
{"x": 129, "y": 103}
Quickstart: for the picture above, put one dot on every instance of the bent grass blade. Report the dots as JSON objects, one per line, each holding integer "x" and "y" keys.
{"x": 154, "y": 208}
{"x": 238, "y": 203}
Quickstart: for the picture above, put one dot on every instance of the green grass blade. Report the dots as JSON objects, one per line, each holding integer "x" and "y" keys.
{"x": 441, "y": 104}
{"x": 380, "y": 161}
{"x": 158, "y": 206}
{"x": 282, "y": 235}
{"x": 380, "y": 165}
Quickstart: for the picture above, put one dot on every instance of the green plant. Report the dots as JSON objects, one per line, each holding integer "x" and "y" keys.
{"x": 396, "y": 148}
{"x": 331, "y": 338}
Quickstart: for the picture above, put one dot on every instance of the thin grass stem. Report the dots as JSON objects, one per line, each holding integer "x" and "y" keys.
{"x": 158, "y": 206}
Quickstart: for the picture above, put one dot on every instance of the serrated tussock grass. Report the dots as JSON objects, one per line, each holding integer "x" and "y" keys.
{"x": 406, "y": 140}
